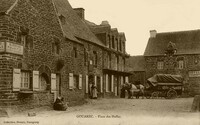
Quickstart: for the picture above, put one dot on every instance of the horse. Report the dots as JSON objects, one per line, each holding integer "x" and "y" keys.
{"x": 134, "y": 91}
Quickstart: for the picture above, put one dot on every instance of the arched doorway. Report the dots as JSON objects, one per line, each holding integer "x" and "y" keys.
{"x": 44, "y": 82}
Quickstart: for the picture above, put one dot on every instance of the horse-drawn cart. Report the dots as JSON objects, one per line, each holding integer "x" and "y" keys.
{"x": 164, "y": 85}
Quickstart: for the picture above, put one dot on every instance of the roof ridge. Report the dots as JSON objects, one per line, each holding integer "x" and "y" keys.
{"x": 172, "y": 32}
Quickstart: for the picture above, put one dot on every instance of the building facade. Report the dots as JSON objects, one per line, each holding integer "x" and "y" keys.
{"x": 37, "y": 56}
{"x": 175, "y": 53}
{"x": 48, "y": 49}
{"x": 114, "y": 58}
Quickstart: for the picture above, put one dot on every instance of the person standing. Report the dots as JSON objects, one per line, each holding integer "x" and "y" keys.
{"x": 123, "y": 90}
{"x": 94, "y": 91}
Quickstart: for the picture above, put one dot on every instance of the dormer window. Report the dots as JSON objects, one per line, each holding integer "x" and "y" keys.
{"x": 62, "y": 19}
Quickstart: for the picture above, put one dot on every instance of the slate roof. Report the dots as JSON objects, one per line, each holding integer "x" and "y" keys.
{"x": 6, "y": 4}
{"x": 136, "y": 63}
{"x": 186, "y": 42}
{"x": 74, "y": 24}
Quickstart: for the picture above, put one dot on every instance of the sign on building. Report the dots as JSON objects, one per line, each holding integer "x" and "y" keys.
{"x": 194, "y": 73}
{"x": 11, "y": 48}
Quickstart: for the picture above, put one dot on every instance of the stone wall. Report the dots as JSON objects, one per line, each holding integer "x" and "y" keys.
{"x": 38, "y": 20}
{"x": 191, "y": 63}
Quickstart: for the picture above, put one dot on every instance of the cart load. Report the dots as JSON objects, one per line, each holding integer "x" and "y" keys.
{"x": 165, "y": 85}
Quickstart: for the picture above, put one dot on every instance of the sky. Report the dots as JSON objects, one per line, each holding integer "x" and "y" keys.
{"x": 137, "y": 17}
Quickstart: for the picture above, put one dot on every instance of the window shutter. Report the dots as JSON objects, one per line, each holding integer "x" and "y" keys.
{"x": 71, "y": 81}
{"x": 95, "y": 80}
{"x": 16, "y": 79}
{"x": 112, "y": 82}
{"x": 36, "y": 80}
{"x": 101, "y": 82}
{"x": 80, "y": 81}
{"x": 86, "y": 84}
{"x": 106, "y": 82}
{"x": 53, "y": 82}
{"x": 126, "y": 79}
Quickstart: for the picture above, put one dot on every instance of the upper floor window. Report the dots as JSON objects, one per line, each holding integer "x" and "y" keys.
{"x": 75, "y": 53}
{"x": 86, "y": 57}
{"x": 113, "y": 42}
{"x": 120, "y": 45}
{"x": 160, "y": 65}
{"x": 95, "y": 58}
{"x": 109, "y": 60}
{"x": 23, "y": 40}
{"x": 56, "y": 46}
{"x": 180, "y": 64}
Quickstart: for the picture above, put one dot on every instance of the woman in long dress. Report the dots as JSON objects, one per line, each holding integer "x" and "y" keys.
{"x": 94, "y": 91}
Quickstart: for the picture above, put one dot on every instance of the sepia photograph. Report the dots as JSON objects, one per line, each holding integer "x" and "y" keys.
{"x": 99, "y": 62}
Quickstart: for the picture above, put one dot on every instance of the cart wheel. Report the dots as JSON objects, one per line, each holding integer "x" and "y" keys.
{"x": 154, "y": 95}
{"x": 171, "y": 94}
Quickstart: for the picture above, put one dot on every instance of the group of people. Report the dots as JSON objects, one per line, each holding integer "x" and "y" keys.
{"x": 132, "y": 89}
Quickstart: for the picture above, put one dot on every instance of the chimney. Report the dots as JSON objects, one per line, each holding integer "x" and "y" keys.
{"x": 80, "y": 12}
{"x": 153, "y": 33}
{"x": 105, "y": 22}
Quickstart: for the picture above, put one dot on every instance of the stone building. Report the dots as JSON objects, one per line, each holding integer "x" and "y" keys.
{"x": 38, "y": 58}
{"x": 136, "y": 66}
{"x": 175, "y": 53}
{"x": 73, "y": 21}
{"x": 114, "y": 58}
{"x": 104, "y": 57}
{"x": 48, "y": 49}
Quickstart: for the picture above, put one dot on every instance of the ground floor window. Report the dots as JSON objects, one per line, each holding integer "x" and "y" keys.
{"x": 109, "y": 82}
{"x": 76, "y": 81}
{"x": 25, "y": 80}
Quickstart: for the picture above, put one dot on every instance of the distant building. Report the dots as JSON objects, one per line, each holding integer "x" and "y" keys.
{"x": 175, "y": 53}
{"x": 136, "y": 66}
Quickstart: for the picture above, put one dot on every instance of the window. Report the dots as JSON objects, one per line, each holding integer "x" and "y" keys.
{"x": 23, "y": 40}
{"x": 25, "y": 80}
{"x": 95, "y": 58}
{"x": 86, "y": 57}
{"x": 76, "y": 81}
{"x": 75, "y": 54}
{"x": 28, "y": 41}
{"x": 56, "y": 46}
{"x": 124, "y": 63}
{"x": 117, "y": 63}
{"x": 180, "y": 64}
{"x": 120, "y": 45}
{"x": 113, "y": 42}
{"x": 160, "y": 65}
{"x": 108, "y": 42}
{"x": 109, "y": 82}
{"x": 109, "y": 60}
